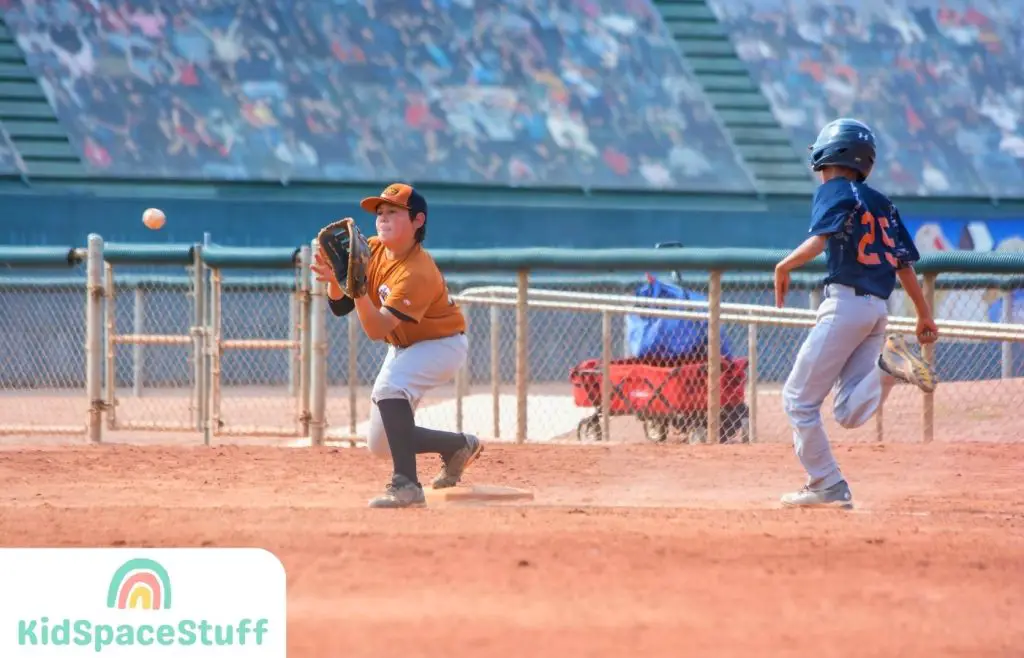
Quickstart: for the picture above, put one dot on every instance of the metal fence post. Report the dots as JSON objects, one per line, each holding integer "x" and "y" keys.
{"x": 295, "y": 309}
{"x": 890, "y": 308}
{"x": 752, "y": 382}
{"x": 928, "y": 352}
{"x": 94, "y": 338}
{"x": 522, "y": 354}
{"x": 714, "y": 357}
{"x": 199, "y": 327}
{"x": 814, "y": 299}
{"x": 138, "y": 328}
{"x": 354, "y": 331}
{"x": 461, "y": 379}
{"x": 206, "y": 392}
{"x": 318, "y": 357}
{"x": 110, "y": 351}
{"x": 300, "y": 328}
{"x": 606, "y": 375}
{"x": 1007, "y": 346}
{"x": 213, "y": 348}
{"x": 496, "y": 370}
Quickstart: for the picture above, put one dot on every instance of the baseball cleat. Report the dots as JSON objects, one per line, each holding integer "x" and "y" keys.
{"x": 452, "y": 470}
{"x": 400, "y": 492}
{"x": 898, "y": 360}
{"x": 838, "y": 495}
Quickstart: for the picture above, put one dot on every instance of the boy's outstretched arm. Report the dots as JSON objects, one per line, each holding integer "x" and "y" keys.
{"x": 927, "y": 332}
{"x": 806, "y": 252}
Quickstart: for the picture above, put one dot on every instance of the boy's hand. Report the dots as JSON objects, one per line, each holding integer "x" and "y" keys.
{"x": 927, "y": 332}
{"x": 325, "y": 273}
{"x": 806, "y": 252}
{"x": 781, "y": 284}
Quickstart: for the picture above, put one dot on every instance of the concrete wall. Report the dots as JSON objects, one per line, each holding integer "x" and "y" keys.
{"x": 68, "y": 219}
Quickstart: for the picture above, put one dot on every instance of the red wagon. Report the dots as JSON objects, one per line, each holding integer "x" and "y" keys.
{"x": 663, "y": 396}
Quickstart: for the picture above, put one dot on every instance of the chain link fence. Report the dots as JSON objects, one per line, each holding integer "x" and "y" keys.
{"x": 152, "y": 357}
{"x": 194, "y": 347}
{"x": 194, "y": 350}
{"x": 149, "y": 343}
{"x": 51, "y": 362}
{"x": 42, "y": 372}
{"x": 981, "y": 383}
{"x": 352, "y": 364}
{"x": 572, "y": 328}
{"x": 259, "y": 326}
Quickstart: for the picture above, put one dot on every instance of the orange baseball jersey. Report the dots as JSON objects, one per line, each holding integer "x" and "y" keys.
{"x": 414, "y": 289}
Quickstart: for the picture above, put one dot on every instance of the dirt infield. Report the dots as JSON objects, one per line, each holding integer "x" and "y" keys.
{"x": 627, "y": 550}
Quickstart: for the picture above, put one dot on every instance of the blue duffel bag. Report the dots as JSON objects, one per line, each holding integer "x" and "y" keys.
{"x": 668, "y": 338}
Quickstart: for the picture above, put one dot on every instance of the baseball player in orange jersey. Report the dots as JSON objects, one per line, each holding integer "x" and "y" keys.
{"x": 409, "y": 307}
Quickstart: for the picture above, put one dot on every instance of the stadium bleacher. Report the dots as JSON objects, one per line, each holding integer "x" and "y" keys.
{"x": 940, "y": 83}
{"x": 685, "y": 95}
{"x": 10, "y": 160}
{"x": 532, "y": 93}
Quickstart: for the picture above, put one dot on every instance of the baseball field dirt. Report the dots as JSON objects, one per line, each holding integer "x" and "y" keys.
{"x": 626, "y": 550}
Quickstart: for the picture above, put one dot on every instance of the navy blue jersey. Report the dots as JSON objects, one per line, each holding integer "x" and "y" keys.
{"x": 867, "y": 242}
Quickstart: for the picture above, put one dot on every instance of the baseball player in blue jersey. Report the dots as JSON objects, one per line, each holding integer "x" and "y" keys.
{"x": 847, "y": 350}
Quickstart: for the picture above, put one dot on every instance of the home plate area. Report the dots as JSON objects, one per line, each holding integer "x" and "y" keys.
{"x": 477, "y": 493}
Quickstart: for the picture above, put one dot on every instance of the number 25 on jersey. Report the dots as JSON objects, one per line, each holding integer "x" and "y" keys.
{"x": 870, "y": 239}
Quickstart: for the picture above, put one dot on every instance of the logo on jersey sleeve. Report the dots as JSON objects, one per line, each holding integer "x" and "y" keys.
{"x": 383, "y": 291}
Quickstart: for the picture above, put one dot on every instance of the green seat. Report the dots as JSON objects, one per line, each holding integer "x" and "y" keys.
{"x": 21, "y": 90}
{"x": 52, "y": 150}
{"x": 33, "y": 128}
{"x": 686, "y": 11}
{"x": 16, "y": 72}
{"x": 684, "y": 30}
{"x": 758, "y": 135}
{"x": 738, "y": 100}
{"x": 698, "y": 47}
{"x": 769, "y": 152}
{"x": 773, "y": 170}
{"x": 25, "y": 109}
{"x": 721, "y": 82}
{"x": 748, "y": 117}
{"x": 715, "y": 64}
{"x": 55, "y": 169}
{"x": 10, "y": 52}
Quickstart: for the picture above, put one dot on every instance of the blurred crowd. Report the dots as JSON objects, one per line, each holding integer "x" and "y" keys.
{"x": 585, "y": 93}
{"x": 940, "y": 81}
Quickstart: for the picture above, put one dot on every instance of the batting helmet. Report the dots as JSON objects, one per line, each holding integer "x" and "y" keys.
{"x": 845, "y": 143}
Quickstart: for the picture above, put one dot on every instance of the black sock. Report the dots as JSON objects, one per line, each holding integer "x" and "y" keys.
{"x": 399, "y": 425}
{"x": 443, "y": 443}
{"x": 422, "y": 440}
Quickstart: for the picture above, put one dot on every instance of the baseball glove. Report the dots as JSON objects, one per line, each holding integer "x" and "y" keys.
{"x": 348, "y": 254}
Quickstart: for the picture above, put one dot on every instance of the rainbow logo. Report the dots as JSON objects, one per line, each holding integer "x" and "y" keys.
{"x": 142, "y": 584}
